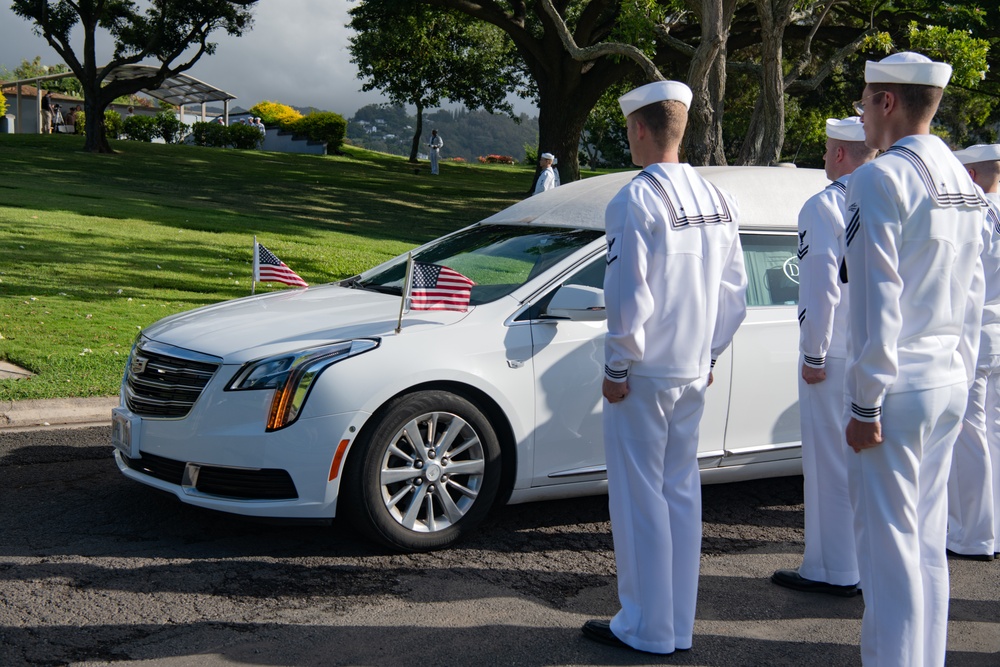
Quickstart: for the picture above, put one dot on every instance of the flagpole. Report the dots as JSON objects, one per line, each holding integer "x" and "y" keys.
{"x": 406, "y": 290}
{"x": 256, "y": 258}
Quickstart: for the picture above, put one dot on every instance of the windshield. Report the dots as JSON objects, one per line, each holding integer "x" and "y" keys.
{"x": 498, "y": 258}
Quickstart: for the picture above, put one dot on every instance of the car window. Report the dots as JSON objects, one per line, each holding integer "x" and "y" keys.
{"x": 498, "y": 258}
{"x": 772, "y": 266}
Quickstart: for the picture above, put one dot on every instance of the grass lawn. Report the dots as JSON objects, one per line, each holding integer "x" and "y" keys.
{"x": 95, "y": 247}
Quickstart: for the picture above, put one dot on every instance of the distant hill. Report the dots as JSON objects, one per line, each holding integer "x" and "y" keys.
{"x": 466, "y": 134}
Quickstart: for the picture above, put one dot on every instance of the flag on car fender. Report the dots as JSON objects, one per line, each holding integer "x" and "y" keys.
{"x": 267, "y": 268}
{"x": 435, "y": 287}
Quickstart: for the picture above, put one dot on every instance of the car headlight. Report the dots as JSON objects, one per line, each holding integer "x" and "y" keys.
{"x": 292, "y": 376}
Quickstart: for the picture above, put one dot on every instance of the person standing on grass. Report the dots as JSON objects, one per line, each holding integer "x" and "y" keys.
{"x": 547, "y": 177}
{"x": 914, "y": 240}
{"x": 974, "y": 483}
{"x": 47, "y": 113}
{"x": 435, "y": 150}
{"x": 675, "y": 292}
{"x": 830, "y": 562}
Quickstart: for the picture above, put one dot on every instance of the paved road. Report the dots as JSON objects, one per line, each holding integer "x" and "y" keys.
{"x": 97, "y": 570}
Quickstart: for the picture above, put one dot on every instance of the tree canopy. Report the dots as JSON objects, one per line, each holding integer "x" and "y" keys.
{"x": 173, "y": 32}
{"x": 766, "y": 61}
{"x": 421, "y": 56}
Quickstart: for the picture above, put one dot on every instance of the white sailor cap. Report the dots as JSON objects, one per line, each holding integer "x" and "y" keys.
{"x": 658, "y": 91}
{"x": 908, "y": 67}
{"x": 848, "y": 129}
{"x": 547, "y": 156}
{"x": 979, "y": 153}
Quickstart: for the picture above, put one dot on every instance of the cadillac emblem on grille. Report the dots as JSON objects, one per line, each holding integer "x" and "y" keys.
{"x": 138, "y": 365}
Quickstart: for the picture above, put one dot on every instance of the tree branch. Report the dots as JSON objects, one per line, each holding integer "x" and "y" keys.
{"x": 598, "y": 50}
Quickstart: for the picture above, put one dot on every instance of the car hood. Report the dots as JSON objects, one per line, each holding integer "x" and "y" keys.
{"x": 258, "y": 326}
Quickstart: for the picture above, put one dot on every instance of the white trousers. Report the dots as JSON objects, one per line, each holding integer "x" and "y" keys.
{"x": 993, "y": 443}
{"x": 830, "y": 554}
{"x": 434, "y": 160}
{"x": 971, "y": 503}
{"x": 654, "y": 496}
{"x": 899, "y": 494}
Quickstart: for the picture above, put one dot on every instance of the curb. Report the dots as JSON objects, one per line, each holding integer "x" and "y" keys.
{"x": 56, "y": 412}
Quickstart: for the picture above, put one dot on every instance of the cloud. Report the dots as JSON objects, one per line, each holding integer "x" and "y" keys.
{"x": 296, "y": 54}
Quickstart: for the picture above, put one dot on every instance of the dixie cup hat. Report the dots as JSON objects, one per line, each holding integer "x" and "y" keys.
{"x": 547, "y": 156}
{"x": 908, "y": 67}
{"x": 848, "y": 129}
{"x": 979, "y": 153}
{"x": 658, "y": 91}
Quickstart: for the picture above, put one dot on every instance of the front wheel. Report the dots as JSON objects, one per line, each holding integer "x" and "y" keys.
{"x": 427, "y": 473}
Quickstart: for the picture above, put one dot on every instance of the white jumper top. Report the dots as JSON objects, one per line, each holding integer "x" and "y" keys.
{"x": 989, "y": 339}
{"x": 546, "y": 180}
{"x": 675, "y": 285}
{"x": 822, "y": 290}
{"x": 914, "y": 239}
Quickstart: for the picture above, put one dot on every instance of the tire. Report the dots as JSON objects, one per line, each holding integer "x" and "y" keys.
{"x": 426, "y": 474}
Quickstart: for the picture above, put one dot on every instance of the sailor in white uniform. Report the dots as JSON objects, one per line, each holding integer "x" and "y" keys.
{"x": 830, "y": 562}
{"x": 914, "y": 239}
{"x": 974, "y": 484}
{"x": 675, "y": 290}
{"x": 547, "y": 178}
{"x": 435, "y": 150}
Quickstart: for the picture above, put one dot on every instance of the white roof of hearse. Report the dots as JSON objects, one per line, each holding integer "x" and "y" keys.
{"x": 768, "y": 197}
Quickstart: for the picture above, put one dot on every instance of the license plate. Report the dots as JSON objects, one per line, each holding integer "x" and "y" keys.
{"x": 125, "y": 432}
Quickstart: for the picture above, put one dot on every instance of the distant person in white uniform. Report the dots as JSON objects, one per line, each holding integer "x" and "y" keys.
{"x": 675, "y": 292}
{"x": 974, "y": 484}
{"x": 830, "y": 562}
{"x": 547, "y": 177}
{"x": 914, "y": 239}
{"x": 435, "y": 150}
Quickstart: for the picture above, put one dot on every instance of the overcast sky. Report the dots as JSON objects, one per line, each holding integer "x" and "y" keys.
{"x": 295, "y": 54}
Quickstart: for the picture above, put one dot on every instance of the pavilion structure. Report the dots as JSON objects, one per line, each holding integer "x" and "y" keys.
{"x": 180, "y": 90}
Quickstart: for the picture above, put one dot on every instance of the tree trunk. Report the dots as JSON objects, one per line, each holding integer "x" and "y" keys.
{"x": 766, "y": 134}
{"x": 96, "y": 140}
{"x": 415, "y": 148}
{"x": 703, "y": 144}
{"x": 564, "y": 103}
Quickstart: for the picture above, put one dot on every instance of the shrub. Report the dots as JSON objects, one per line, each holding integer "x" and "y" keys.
{"x": 113, "y": 125}
{"x": 170, "y": 127}
{"x": 322, "y": 126}
{"x": 140, "y": 128}
{"x": 243, "y": 136}
{"x": 275, "y": 113}
{"x": 530, "y": 154}
{"x": 3, "y": 105}
{"x": 214, "y": 135}
{"x": 497, "y": 159}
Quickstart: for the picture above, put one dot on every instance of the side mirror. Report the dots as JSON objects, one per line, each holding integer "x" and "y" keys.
{"x": 578, "y": 303}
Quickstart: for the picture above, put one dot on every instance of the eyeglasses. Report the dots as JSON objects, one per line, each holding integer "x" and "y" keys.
{"x": 859, "y": 106}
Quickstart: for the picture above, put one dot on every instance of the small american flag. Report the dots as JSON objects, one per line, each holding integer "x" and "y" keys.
{"x": 439, "y": 288}
{"x": 269, "y": 269}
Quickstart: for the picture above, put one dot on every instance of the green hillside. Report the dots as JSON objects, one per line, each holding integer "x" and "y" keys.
{"x": 95, "y": 247}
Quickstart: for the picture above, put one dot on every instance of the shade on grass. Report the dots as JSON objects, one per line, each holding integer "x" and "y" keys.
{"x": 95, "y": 247}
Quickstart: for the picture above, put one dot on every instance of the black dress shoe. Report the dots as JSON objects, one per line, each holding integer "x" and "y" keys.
{"x": 792, "y": 579}
{"x": 982, "y": 557}
{"x": 600, "y": 631}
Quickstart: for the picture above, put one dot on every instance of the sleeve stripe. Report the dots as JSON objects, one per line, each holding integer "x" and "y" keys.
{"x": 868, "y": 413}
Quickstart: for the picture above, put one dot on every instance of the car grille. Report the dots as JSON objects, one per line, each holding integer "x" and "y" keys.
{"x": 266, "y": 484}
{"x": 165, "y": 382}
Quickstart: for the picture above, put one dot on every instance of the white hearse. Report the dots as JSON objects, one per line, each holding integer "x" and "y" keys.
{"x": 310, "y": 404}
